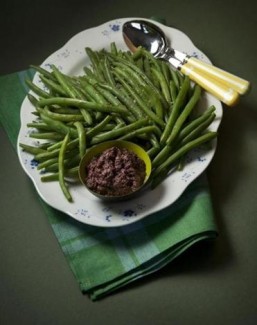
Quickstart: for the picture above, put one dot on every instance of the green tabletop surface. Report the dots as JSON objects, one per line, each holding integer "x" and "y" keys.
{"x": 212, "y": 282}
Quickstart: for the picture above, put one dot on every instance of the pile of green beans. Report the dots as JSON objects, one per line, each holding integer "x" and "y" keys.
{"x": 120, "y": 95}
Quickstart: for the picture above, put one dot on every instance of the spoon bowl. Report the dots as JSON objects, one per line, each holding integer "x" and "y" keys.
{"x": 149, "y": 36}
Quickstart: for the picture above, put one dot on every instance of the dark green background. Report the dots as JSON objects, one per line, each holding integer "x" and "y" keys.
{"x": 211, "y": 283}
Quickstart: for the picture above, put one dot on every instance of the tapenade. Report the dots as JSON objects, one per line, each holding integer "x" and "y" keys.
{"x": 115, "y": 172}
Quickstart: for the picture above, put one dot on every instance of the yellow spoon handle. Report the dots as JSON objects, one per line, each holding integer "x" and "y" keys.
{"x": 220, "y": 90}
{"x": 238, "y": 84}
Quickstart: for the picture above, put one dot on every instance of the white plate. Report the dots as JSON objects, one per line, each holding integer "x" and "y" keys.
{"x": 86, "y": 208}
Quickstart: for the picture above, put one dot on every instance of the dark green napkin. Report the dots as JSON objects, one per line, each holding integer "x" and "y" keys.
{"x": 104, "y": 259}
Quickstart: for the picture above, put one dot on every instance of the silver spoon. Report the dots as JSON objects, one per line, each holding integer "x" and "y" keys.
{"x": 223, "y": 85}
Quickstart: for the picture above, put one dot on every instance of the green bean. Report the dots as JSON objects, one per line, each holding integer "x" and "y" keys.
{"x": 165, "y": 69}
{"x": 72, "y": 172}
{"x": 175, "y": 110}
{"x": 181, "y": 78}
{"x": 44, "y": 72}
{"x": 63, "y": 185}
{"x": 63, "y": 82}
{"x": 139, "y": 63}
{"x": 188, "y": 133}
{"x": 141, "y": 104}
{"x": 95, "y": 61}
{"x": 155, "y": 103}
{"x": 87, "y": 117}
{"x": 71, "y": 148}
{"x": 173, "y": 90}
{"x": 118, "y": 132}
{"x": 138, "y": 53}
{"x": 74, "y": 84}
{"x": 192, "y": 125}
{"x": 184, "y": 115}
{"x": 113, "y": 100}
{"x": 139, "y": 86}
{"x": 47, "y": 163}
{"x": 147, "y": 67}
{"x": 108, "y": 127}
{"x": 40, "y": 92}
{"x": 35, "y": 113}
{"x": 67, "y": 84}
{"x": 181, "y": 163}
{"x": 163, "y": 84}
{"x": 99, "y": 127}
{"x": 84, "y": 92}
{"x": 92, "y": 91}
{"x": 54, "y": 150}
{"x": 155, "y": 140}
{"x": 128, "y": 56}
{"x": 63, "y": 117}
{"x": 54, "y": 146}
{"x": 82, "y": 138}
{"x": 161, "y": 155}
{"x": 52, "y": 168}
{"x": 108, "y": 96}
{"x": 72, "y": 159}
{"x": 145, "y": 78}
{"x": 175, "y": 78}
{"x": 53, "y": 85}
{"x": 71, "y": 91}
{"x": 161, "y": 171}
{"x": 153, "y": 151}
{"x": 114, "y": 49}
{"x": 71, "y": 145}
{"x": 143, "y": 130}
{"x": 106, "y": 108}
{"x": 31, "y": 149}
{"x": 33, "y": 100}
{"x": 93, "y": 57}
{"x": 58, "y": 126}
{"x": 46, "y": 135}
{"x": 129, "y": 78}
{"x": 199, "y": 129}
{"x": 65, "y": 110}
{"x": 124, "y": 99}
{"x": 107, "y": 72}
{"x": 117, "y": 126}
{"x": 89, "y": 73}
{"x": 152, "y": 60}
{"x": 45, "y": 145}
{"x": 46, "y": 155}
{"x": 39, "y": 126}
{"x": 131, "y": 75}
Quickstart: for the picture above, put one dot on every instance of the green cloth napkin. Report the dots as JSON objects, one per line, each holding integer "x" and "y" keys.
{"x": 105, "y": 259}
